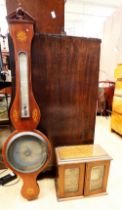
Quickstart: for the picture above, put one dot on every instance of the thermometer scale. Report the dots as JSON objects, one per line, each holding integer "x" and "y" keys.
{"x": 24, "y": 91}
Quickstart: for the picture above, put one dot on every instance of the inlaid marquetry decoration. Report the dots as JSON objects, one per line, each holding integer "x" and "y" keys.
{"x": 21, "y": 36}
{"x": 15, "y": 115}
{"x": 30, "y": 191}
{"x": 27, "y": 151}
{"x": 82, "y": 170}
{"x": 35, "y": 115}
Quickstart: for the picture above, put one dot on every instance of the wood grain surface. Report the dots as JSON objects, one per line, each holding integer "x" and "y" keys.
{"x": 41, "y": 11}
{"x": 80, "y": 152}
{"x": 65, "y": 83}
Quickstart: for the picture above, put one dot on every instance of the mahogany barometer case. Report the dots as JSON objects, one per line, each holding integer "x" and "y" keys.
{"x": 27, "y": 151}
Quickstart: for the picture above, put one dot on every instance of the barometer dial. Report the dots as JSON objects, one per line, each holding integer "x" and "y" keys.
{"x": 27, "y": 152}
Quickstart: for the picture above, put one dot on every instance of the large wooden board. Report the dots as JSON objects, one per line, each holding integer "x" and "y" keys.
{"x": 41, "y": 11}
{"x": 65, "y": 84}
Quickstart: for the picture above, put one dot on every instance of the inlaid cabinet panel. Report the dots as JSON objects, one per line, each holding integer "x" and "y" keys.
{"x": 70, "y": 180}
{"x": 96, "y": 177}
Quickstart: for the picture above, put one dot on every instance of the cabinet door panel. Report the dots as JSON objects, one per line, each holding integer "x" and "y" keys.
{"x": 70, "y": 180}
{"x": 96, "y": 177}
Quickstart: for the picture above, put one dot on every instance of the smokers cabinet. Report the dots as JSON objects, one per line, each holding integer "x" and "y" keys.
{"x": 82, "y": 170}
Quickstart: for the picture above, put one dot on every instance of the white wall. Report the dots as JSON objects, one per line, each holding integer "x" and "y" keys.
{"x": 86, "y": 18}
{"x": 3, "y": 22}
{"x": 111, "y": 48}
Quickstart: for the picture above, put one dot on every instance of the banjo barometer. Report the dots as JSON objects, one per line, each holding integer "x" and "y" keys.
{"x": 27, "y": 151}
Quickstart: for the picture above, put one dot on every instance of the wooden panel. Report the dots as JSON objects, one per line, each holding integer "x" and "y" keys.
{"x": 65, "y": 84}
{"x": 41, "y": 11}
{"x": 116, "y": 117}
{"x": 80, "y": 152}
{"x": 116, "y": 122}
{"x": 96, "y": 177}
{"x": 117, "y": 99}
{"x": 70, "y": 184}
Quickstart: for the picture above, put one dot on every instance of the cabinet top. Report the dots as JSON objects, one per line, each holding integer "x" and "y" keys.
{"x": 80, "y": 153}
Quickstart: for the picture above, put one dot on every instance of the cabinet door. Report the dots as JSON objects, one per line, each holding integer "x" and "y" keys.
{"x": 70, "y": 180}
{"x": 96, "y": 177}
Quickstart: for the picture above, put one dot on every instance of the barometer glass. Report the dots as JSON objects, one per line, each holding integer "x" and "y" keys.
{"x": 23, "y": 67}
{"x": 27, "y": 152}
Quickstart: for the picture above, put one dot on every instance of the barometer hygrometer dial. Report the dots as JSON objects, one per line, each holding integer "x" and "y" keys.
{"x": 27, "y": 151}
